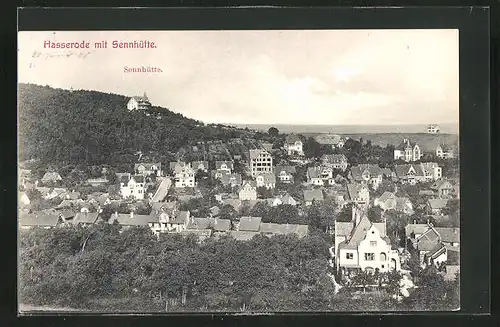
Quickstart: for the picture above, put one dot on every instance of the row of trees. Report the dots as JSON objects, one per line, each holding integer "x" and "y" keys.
{"x": 78, "y": 267}
{"x": 99, "y": 268}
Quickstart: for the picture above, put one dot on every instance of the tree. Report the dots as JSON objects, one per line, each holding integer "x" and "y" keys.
{"x": 312, "y": 149}
{"x": 264, "y": 192}
{"x": 345, "y": 214}
{"x": 227, "y": 212}
{"x": 375, "y": 214}
{"x": 273, "y": 131}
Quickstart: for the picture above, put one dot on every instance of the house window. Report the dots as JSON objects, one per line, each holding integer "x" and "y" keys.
{"x": 382, "y": 266}
{"x": 369, "y": 256}
{"x": 373, "y": 243}
{"x": 349, "y": 256}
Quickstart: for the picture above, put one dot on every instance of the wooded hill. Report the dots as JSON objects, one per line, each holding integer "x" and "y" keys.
{"x": 88, "y": 127}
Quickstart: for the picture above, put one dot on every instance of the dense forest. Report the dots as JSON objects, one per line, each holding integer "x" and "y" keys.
{"x": 99, "y": 268}
{"x": 89, "y": 127}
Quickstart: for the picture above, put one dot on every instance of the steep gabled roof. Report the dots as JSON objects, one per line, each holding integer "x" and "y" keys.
{"x": 313, "y": 172}
{"x": 334, "y": 158}
{"x": 354, "y": 189}
{"x": 438, "y": 203}
{"x": 250, "y": 224}
{"x": 147, "y": 165}
{"x": 292, "y": 138}
{"x": 441, "y": 183}
{"x": 287, "y": 169}
{"x": 428, "y": 239}
{"x": 255, "y": 153}
{"x": 39, "y": 219}
{"x": 51, "y": 176}
{"x": 287, "y": 199}
{"x": 386, "y": 196}
{"x": 269, "y": 177}
{"x": 403, "y": 170}
{"x": 416, "y": 229}
{"x": 448, "y": 234}
{"x": 343, "y": 228}
{"x": 227, "y": 179}
{"x": 359, "y": 231}
{"x": 85, "y": 218}
{"x": 313, "y": 195}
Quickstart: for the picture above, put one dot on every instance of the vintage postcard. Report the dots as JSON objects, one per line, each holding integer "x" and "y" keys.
{"x": 242, "y": 171}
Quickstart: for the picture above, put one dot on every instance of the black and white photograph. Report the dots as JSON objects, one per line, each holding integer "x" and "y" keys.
{"x": 238, "y": 171}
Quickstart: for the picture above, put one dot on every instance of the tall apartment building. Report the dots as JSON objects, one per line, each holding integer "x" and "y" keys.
{"x": 260, "y": 161}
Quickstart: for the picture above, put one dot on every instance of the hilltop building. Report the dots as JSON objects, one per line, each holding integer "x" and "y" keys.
{"x": 433, "y": 129}
{"x": 139, "y": 103}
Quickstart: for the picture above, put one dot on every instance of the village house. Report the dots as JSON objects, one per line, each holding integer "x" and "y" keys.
{"x": 361, "y": 245}
{"x": 274, "y": 202}
{"x": 312, "y": 196}
{"x": 51, "y": 177}
{"x": 431, "y": 170}
{"x": 287, "y": 199}
{"x": 267, "y": 180}
{"x": 260, "y": 161}
{"x": 407, "y": 151}
{"x": 139, "y": 103}
{"x": 293, "y": 145}
{"x": 358, "y": 194}
{"x": 42, "y": 220}
{"x": 436, "y": 206}
{"x": 130, "y": 220}
{"x": 410, "y": 174}
{"x": 444, "y": 151}
{"x": 285, "y": 173}
{"x": 433, "y": 129}
{"x": 335, "y": 141}
{"x": 147, "y": 169}
{"x": 67, "y": 215}
{"x": 218, "y": 226}
{"x": 131, "y": 186}
{"x": 224, "y": 166}
{"x": 95, "y": 182}
{"x": 432, "y": 244}
{"x": 442, "y": 188}
{"x": 200, "y": 165}
{"x": 270, "y": 229}
{"x": 367, "y": 174}
{"x": 184, "y": 176}
{"x": 248, "y": 191}
{"x": 217, "y": 174}
{"x": 173, "y": 165}
{"x": 85, "y": 218}
{"x": 336, "y": 161}
{"x": 246, "y": 228}
{"x": 54, "y": 193}
{"x": 320, "y": 175}
{"x": 389, "y": 201}
{"x": 232, "y": 180}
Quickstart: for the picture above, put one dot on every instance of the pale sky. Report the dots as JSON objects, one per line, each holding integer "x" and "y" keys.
{"x": 321, "y": 77}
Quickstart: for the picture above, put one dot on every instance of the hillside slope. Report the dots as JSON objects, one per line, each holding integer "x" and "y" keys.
{"x": 62, "y": 126}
